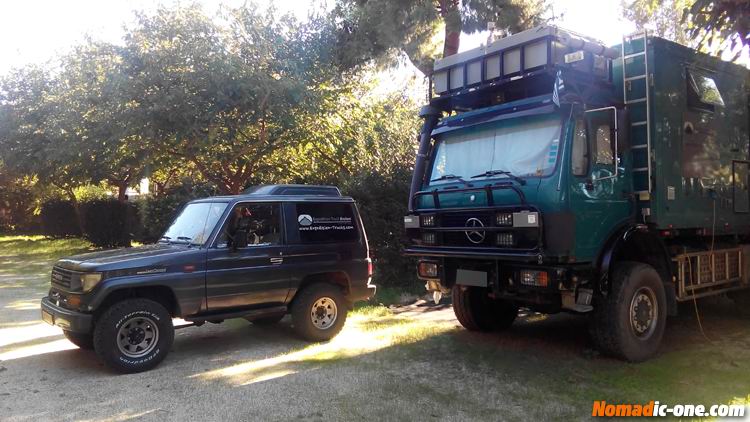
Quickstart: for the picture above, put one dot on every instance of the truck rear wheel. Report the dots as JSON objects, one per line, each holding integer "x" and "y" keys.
{"x": 629, "y": 322}
{"x": 133, "y": 335}
{"x": 84, "y": 341}
{"x": 319, "y": 312}
{"x": 476, "y": 311}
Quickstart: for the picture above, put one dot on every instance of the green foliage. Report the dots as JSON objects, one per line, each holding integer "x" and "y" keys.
{"x": 107, "y": 222}
{"x": 719, "y": 24}
{"x": 59, "y": 218}
{"x": 381, "y": 30}
{"x": 661, "y": 17}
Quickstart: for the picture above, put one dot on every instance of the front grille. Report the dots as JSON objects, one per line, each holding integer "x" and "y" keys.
{"x": 64, "y": 278}
{"x": 478, "y": 229}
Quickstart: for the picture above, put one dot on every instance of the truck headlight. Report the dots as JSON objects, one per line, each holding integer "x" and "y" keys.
{"x": 90, "y": 280}
{"x": 504, "y": 219}
{"x": 428, "y": 220}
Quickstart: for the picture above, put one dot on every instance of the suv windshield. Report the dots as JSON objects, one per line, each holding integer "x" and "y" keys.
{"x": 195, "y": 223}
{"x": 526, "y": 146}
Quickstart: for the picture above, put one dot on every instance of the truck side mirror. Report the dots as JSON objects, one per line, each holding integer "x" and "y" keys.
{"x": 240, "y": 239}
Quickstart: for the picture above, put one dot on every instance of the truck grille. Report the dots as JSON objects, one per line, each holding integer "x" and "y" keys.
{"x": 471, "y": 234}
{"x": 64, "y": 278}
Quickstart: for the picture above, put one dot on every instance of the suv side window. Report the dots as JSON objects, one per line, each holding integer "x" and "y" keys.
{"x": 326, "y": 223}
{"x": 260, "y": 221}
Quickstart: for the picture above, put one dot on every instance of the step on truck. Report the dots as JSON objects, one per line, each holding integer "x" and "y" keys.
{"x": 558, "y": 174}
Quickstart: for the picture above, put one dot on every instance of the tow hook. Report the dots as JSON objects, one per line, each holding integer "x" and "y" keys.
{"x": 437, "y": 289}
{"x": 539, "y": 259}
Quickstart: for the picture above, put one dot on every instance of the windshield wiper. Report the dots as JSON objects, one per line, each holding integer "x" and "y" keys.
{"x": 167, "y": 238}
{"x": 449, "y": 177}
{"x": 489, "y": 173}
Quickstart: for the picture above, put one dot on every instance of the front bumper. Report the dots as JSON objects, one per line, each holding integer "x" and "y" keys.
{"x": 66, "y": 319}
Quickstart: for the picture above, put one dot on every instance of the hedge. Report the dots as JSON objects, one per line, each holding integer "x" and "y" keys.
{"x": 59, "y": 218}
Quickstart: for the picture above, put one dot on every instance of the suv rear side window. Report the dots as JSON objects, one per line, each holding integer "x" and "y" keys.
{"x": 326, "y": 223}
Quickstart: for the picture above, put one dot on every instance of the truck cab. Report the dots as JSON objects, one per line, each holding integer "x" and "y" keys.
{"x": 256, "y": 256}
{"x": 557, "y": 174}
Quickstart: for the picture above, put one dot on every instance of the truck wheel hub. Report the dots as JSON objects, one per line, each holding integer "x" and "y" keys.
{"x": 137, "y": 337}
{"x": 324, "y": 313}
{"x": 643, "y": 312}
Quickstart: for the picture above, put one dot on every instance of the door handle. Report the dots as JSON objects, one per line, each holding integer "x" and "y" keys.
{"x": 277, "y": 260}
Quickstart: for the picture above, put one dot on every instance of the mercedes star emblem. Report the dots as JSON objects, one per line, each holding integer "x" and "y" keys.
{"x": 477, "y": 234}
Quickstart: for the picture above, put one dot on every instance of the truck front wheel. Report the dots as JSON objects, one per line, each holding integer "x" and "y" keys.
{"x": 476, "y": 311}
{"x": 133, "y": 335}
{"x": 629, "y": 322}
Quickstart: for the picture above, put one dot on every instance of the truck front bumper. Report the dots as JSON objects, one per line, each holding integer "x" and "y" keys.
{"x": 66, "y": 319}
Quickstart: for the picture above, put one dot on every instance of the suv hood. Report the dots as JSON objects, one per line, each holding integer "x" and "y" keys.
{"x": 123, "y": 258}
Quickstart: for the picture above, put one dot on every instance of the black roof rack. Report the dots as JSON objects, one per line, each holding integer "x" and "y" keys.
{"x": 292, "y": 189}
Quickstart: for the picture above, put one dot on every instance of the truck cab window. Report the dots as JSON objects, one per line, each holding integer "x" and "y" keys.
{"x": 580, "y": 154}
{"x": 600, "y": 135}
{"x": 259, "y": 222}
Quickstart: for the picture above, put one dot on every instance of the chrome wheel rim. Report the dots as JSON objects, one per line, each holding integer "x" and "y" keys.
{"x": 644, "y": 313}
{"x": 323, "y": 313}
{"x": 137, "y": 337}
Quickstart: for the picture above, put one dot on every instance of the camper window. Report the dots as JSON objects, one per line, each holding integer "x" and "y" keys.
{"x": 702, "y": 91}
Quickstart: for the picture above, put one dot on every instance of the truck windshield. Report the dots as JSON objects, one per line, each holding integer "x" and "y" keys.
{"x": 525, "y": 146}
{"x": 195, "y": 223}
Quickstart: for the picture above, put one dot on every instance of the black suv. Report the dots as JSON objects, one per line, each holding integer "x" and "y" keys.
{"x": 255, "y": 256}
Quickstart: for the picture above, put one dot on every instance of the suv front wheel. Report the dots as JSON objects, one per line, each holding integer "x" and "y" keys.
{"x": 134, "y": 335}
{"x": 319, "y": 312}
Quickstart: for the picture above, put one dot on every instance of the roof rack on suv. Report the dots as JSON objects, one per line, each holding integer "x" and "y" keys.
{"x": 291, "y": 189}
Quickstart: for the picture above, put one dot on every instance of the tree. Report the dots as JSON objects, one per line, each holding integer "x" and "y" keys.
{"x": 376, "y": 29}
{"x": 220, "y": 98}
{"x": 719, "y": 24}
{"x": 662, "y": 17}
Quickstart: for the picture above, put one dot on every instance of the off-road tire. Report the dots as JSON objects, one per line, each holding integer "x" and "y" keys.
{"x": 302, "y": 309}
{"x": 84, "y": 341}
{"x": 121, "y": 313}
{"x": 611, "y": 328}
{"x": 741, "y": 299}
{"x": 269, "y": 320}
{"x": 478, "y": 312}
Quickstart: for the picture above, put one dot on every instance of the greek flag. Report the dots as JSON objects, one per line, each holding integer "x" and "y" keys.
{"x": 558, "y": 88}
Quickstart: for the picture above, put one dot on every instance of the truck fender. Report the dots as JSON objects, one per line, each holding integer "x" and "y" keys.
{"x": 635, "y": 242}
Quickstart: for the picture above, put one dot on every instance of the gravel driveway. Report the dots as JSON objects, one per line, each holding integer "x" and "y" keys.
{"x": 410, "y": 363}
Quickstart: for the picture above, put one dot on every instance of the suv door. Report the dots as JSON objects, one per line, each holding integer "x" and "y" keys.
{"x": 252, "y": 275}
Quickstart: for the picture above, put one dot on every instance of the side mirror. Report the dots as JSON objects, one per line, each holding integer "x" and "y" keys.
{"x": 240, "y": 239}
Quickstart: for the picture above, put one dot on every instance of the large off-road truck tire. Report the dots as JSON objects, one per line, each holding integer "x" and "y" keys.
{"x": 84, "y": 341}
{"x": 319, "y": 312}
{"x": 741, "y": 299}
{"x": 134, "y": 335}
{"x": 628, "y": 323}
{"x": 476, "y": 311}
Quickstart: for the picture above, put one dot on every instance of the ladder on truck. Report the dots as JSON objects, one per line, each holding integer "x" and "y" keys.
{"x": 636, "y": 85}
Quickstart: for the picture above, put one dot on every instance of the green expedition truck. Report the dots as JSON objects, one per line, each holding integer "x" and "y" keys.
{"x": 557, "y": 174}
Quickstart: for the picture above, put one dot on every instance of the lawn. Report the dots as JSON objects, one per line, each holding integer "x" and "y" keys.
{"x": 409, "y": 362}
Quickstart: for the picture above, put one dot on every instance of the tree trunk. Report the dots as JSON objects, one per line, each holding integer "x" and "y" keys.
{"x": 452, "y": 18}
{"x": 121, "y": 188}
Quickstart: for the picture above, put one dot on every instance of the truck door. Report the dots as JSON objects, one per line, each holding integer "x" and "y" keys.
{"x": 244, "y": 264}
{"x": 600, "y": 187}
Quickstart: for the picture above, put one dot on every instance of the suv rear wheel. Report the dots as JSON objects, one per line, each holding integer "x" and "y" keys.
{"x": 84, "y": 341}
{"x": 629, "y": 322}
{"x": 319, "y": 312}
{"x": 476, "y": 311}
{"x": 133, "y": 335}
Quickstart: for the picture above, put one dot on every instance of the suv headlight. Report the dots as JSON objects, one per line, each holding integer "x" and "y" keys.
{"x": 90, "y": 280}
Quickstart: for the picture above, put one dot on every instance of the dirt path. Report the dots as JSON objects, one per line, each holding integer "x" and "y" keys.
{"x": 411, "y": 363}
